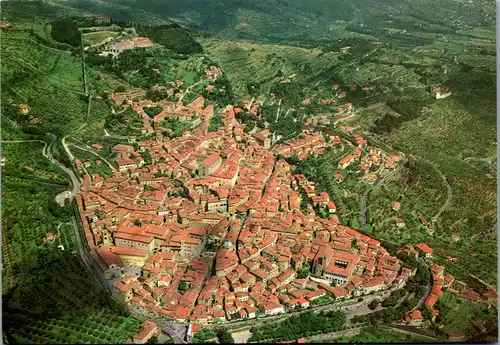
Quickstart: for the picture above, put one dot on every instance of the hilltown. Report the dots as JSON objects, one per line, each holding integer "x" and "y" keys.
{"x": 212, "y": 230}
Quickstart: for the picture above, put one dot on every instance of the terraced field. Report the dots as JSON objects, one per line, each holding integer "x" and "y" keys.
{"x": 56, "y": 67}
{"x": 49, "y": 81}
{"x": 444, "y": 136}
{"x": 246, "y": 62}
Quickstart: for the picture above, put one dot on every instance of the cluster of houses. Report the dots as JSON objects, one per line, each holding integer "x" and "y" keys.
{"x": 196, "y": 112}
{"x": 310, "y": 144}
{"x": 371, "y": 161}
{"x": 211, "y": 230}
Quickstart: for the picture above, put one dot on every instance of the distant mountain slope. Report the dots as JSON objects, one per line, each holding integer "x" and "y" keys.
{"x": 290, "y": 21}
{"x": 308, "y": 21}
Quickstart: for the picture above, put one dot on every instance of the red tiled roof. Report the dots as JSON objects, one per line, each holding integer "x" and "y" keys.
{"x": 425, "y": 248}
{"x": 129, "y": 251}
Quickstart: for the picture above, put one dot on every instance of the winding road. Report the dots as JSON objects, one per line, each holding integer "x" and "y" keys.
{"x": 449, "y": 191}
{"x": 488, "y": 160}
{"x": 44, "y": 150}
{"x": 47, "y": 154}
{"x": 449, "y": 197}
{"x": 87, "y": 148}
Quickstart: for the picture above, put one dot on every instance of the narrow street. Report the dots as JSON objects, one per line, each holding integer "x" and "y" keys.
{"x": 87, "y": 261}
{"x": 424, "y": 297}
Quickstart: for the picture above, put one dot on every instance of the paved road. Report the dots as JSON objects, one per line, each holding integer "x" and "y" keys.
{"x": 449, "y": 195}
{"x": 87, "y": 260}
{"x": 74, "y": 179}
{"x": 424, "y": 297}
{"x": 68, "y": 152}
{"x": 188, "y": 89}
{"x": 176, "y": 330}
{"x": 106, "y": 134}
{"x": 89, "y": 149}
{"x": 345, "y": 118}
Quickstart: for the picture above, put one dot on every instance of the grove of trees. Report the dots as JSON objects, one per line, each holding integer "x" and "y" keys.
{"x": 298, "y": 326}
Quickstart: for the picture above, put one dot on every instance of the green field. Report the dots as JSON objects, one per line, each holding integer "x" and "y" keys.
{"x": 49, "y": 81}
{"x": 92, "y": 38}
{"x": 456, "y": 314}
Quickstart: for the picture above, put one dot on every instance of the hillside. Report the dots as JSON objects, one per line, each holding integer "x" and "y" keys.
{"x": 297, "y": 22}
{"x": 292, "y": 58}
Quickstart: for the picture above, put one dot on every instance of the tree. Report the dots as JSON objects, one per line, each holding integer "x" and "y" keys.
{"x": 153, "y": 340}
{"x": 373, "y": 304}
{"x": 303, "y": 273}
{"x": 426, "y": 313}
{"x": 215, "y": 123}
{"x": 224, "y": 336}
{"x": 66, "y": 31}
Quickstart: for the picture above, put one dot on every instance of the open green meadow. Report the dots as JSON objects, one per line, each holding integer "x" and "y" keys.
{"x": 92, "y": 38}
